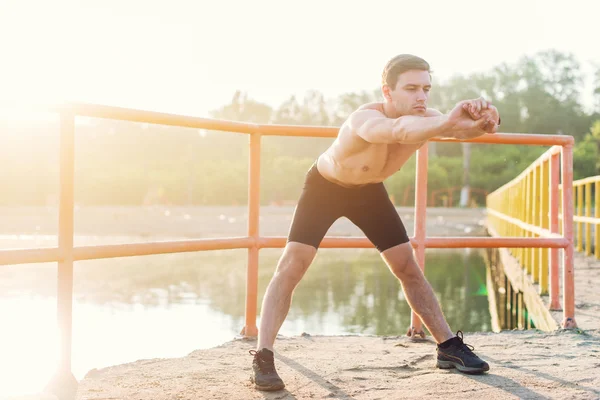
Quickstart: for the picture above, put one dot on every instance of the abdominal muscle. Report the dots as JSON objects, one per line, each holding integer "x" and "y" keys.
{"x": 358, "y": 170}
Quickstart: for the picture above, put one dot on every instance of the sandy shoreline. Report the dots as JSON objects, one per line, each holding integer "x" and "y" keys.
{"x": 524, "y": 364}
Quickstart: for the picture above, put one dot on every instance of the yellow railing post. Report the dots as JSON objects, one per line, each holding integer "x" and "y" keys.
{"x": 579, "y": 212}
{"x": 528, "y": 206}
{"x": 597, "y": 215}
{"x": 520, "y": 211}
{"x": 508, "y": 228}
{"x": 544, "y": 223}
{"x": 535, "y": 206}
{"x": 588, "y": 213}
{"x": 523, "y": 217}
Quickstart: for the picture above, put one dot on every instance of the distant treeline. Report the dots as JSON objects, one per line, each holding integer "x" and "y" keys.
{"x": 131, "y": 163}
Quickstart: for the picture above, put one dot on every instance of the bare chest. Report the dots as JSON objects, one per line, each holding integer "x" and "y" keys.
{"x": 364, "y": 163}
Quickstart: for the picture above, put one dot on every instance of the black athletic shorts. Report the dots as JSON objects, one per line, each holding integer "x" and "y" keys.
{"x": 369, "y": 207}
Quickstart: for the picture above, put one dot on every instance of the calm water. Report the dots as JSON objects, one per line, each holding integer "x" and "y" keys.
{"x": 169, "y": 305}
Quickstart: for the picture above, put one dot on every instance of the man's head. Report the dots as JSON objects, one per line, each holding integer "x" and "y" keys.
{"x": 405, "y": 84}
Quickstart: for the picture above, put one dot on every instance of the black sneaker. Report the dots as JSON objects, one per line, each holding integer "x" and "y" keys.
{"x": 460, "y": 356}
{"x": 264, "y": 375}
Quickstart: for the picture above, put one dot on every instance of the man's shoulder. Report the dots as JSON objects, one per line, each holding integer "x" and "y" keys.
{"x": 366, "y": 112}
{"x": 372, "y": 106}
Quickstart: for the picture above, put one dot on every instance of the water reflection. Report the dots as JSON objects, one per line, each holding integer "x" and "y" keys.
{"x": 169, "y": 305}
{"x": 354, "y": 284}
{"x": 370, "y": 300}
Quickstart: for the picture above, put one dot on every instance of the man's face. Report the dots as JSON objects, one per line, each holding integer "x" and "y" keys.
{"x": 411, "y": 93}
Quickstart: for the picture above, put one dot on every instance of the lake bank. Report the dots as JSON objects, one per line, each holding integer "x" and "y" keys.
{"x": 524, "y": 364}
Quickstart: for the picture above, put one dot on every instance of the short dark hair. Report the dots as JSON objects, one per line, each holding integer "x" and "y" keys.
{"x": 399, "y": 64}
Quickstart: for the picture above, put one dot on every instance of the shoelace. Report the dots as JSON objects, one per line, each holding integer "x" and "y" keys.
{"x": 465, "y": 348}
{"x": 266, "y": 366}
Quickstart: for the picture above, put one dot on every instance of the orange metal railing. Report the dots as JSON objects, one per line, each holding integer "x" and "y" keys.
{"x": 66, "y": 254}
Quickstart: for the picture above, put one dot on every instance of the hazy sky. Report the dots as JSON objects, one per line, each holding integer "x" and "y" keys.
{"x": 189, "y": 57}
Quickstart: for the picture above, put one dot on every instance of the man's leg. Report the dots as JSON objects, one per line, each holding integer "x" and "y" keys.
{"x": 320, "y": 204}
{"x": 292, "y": 265}
{"x": 452, "y": 352}
{"x": 377, "y": 217}
{"x": 417, "y": 289}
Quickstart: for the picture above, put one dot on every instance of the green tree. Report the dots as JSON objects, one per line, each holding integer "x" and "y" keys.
{"x": 313, "y": 110}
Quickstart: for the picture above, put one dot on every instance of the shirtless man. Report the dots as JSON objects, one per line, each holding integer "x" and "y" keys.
{"x": 347, "y": 180}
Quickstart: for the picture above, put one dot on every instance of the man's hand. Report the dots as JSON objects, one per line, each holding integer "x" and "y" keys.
{"x": 463, "y": 126}
{"x": 476, "y": 106}
{"x": 492, "y": 112}
{"x": 479, "y": 108}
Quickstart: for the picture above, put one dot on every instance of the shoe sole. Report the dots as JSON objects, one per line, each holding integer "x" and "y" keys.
{"x": 468, "y": 370}
{"x": 270, "y": 388}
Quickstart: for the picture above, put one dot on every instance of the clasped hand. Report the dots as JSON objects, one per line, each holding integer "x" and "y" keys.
{"x": 473, "y": 118}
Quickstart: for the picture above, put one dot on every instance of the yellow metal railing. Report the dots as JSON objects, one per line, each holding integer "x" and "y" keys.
{"x": 528, "y": 207}
{"x": 534, "y": 205}
{"x": 586, "y": 192}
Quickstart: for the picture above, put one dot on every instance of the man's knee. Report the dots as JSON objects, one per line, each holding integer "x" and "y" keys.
{"x": 401, "y": 261}
{"x": 294, "y": 262}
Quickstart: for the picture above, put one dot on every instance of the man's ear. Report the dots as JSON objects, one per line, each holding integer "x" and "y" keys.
{"x": 385, "y": 90}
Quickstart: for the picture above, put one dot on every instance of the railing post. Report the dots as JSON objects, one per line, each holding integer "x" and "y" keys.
{"x": 63, "y": 383}
{"x": 250, "y": 328}
{"x": 544, "y": 191}
{"x": 597, "y": 215}
{"x": 554, "y": 198}
{"x": 528, "y": 213}
{"x": 522, "y": 217}
{"x": 420, "y": 224}
{"x": 568, "y": 265}
{"x": 535, "y": 207}
{"x": 514, "y": 212}
{"x": 579, "y": 243}
{"x": 588, "y": 213}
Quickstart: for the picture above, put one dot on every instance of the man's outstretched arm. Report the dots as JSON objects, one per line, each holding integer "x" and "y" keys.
{"x": 373, "y": 127}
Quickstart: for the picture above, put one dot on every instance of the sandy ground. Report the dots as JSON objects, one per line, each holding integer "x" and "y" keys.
{"x": 587, "y": 292}
{"x": 524, "y": 364}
